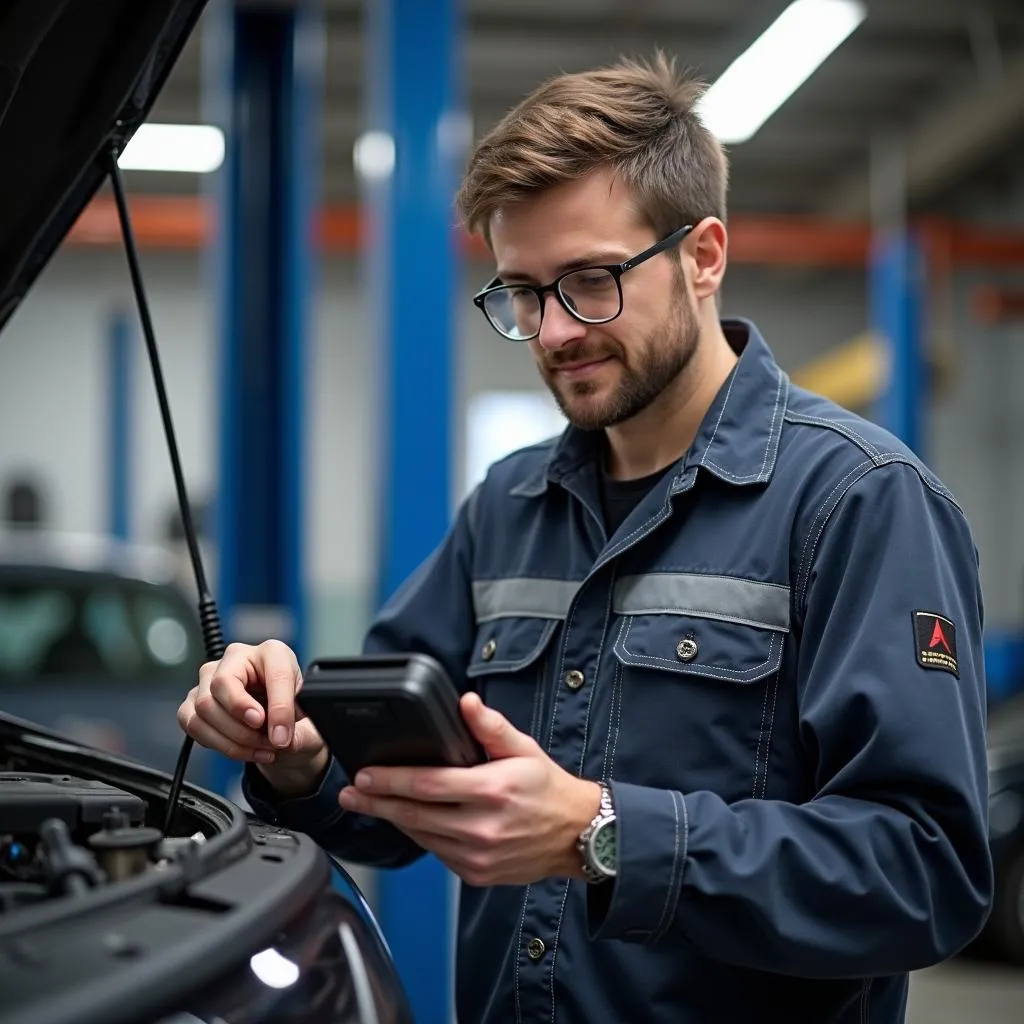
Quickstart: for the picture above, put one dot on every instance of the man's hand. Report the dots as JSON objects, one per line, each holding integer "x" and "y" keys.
{"x": 224, "y": 713}
{"x": 513, "y": 820}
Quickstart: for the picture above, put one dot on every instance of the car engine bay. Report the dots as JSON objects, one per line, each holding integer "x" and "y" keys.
{"x": 62, "y": 835}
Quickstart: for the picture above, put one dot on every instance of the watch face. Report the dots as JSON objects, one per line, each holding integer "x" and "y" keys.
{"x": 605, "y": 848}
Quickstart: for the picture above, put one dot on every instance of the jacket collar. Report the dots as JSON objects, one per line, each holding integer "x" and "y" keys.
{"x": 738, "y": 440}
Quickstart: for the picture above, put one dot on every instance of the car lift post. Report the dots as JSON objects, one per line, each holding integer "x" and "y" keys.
{"x": 262, "y": 71}
{"x": 896, "y": 286}
{"x": 408, "y": 163}
{"x": 118, "y": 424}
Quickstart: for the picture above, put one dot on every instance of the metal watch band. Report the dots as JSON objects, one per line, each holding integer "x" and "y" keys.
{"x": 605, "y": 811}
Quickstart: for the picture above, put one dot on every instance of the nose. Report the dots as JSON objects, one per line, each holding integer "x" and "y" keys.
{"x": 557, "y": 327}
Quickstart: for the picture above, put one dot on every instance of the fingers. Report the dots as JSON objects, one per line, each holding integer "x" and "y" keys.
{"x": 237, "y": 733}
{"x": 282, "y": 678}
{"x": 206, "y": 735}
{"x": 271, "y": 667}
{"x": 230, "y": 682}
{"x": 429, "y": 785}
{"x": 406, "y": 814}
{"x": 495, "y": 733}
{"x": 223, "y": 713}
{"x": 214, "y": 728}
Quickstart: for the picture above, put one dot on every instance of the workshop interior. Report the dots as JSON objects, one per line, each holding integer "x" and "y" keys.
{"x": 244, "y": 389}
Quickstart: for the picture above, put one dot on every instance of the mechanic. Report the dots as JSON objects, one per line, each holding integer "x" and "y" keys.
{"x": 722, "y": 639}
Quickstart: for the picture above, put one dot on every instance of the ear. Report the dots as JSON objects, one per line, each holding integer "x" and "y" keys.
{"x": 707, "y": 245}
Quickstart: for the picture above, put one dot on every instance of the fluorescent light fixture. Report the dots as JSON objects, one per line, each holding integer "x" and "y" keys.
{"x": 374, "y": 155}
{"x": 764, "y": 76}
{"x": 194, "y": 148}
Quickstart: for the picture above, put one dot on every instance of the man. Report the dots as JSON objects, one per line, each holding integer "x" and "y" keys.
{"x": 721, "y": 640}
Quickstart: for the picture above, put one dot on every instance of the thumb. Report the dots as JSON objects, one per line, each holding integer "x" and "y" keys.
{"x": 493, "y": 731}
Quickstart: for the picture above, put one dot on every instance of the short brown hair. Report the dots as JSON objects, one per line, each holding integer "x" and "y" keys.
{"x": 634, "y": 116}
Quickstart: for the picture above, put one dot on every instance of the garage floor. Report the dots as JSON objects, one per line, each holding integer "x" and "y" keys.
{"x": 967, "y": 991}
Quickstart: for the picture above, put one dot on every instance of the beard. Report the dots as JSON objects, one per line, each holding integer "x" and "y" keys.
{"x": 653, "y": 367}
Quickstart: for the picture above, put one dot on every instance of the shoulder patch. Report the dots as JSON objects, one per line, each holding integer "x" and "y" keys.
{"x": 935, "y": 642}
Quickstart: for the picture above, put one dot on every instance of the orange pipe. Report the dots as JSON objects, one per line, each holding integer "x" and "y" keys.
{"x": 797, "y": 241}
{"x": 993, "y": 305}
{"x": 185, "y": 222}
{"x": 159, "y": 222}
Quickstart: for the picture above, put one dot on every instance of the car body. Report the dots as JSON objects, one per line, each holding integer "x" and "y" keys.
{"x": 111, "y": 910}
{"x": 99, "y": 639}
{"x": 227, "y": 920}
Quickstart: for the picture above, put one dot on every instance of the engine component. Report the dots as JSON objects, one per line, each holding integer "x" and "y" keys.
{"x": 71, "y": 869}
{"x": 124, "y": 850}
{"x": 28, "y": 799}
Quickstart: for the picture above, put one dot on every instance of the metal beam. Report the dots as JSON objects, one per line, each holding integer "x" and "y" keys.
{"x": 950, "y": 142}
{"x": 119, "y": 424}
{"x": 184, "y": 222}
{"x": 413, "y": 101}
{"x": 264, "y": 72}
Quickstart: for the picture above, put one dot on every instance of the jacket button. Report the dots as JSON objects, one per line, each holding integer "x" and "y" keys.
{"x": 686, "y": 650}
{"x": 535, "y": 949}
{"x": 574, "y": 679}
{"x": 488, "y": 650}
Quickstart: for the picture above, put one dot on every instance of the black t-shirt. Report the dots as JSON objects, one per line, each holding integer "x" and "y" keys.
{"x": 620, "y": 497}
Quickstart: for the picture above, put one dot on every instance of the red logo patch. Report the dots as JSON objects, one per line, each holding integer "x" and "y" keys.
{"x": 935, "y": 642}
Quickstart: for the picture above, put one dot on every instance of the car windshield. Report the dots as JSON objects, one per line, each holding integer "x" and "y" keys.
{"x": 57, "y": 628}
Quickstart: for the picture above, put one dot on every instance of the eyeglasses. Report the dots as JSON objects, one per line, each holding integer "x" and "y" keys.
{"x": 593, "y": 295}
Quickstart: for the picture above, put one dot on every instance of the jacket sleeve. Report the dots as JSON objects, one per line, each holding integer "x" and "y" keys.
{"x": 886, "y": 868}
{"x": 431, "y": 613}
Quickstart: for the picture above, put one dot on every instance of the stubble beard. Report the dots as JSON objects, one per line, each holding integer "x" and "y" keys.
{"x": 654, "y": 367}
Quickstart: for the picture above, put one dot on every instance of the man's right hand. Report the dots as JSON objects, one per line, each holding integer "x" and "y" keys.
{"x": 224, "y": 714}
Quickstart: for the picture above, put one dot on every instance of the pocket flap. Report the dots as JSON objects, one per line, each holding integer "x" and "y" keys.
{"x": 700, "y": 646}
{"x": 510, "y": 644}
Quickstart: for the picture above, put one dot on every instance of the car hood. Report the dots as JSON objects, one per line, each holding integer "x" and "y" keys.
{"x": 76, "y": 76}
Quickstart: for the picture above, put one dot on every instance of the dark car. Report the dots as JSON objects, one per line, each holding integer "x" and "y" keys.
{"x": 1004, "y": 932}
{"x": 118, "y": 903}
{"x": 99, "y": 639}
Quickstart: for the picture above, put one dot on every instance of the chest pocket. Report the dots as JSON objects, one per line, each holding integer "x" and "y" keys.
{"x": 698, "y": 662}
{"x": 508, "y": 667}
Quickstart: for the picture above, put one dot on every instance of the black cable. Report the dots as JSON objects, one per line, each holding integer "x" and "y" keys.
{"x": 213, "y": 637}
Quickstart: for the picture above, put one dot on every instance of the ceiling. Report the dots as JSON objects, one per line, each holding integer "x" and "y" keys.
{"x": 940, "y": 83}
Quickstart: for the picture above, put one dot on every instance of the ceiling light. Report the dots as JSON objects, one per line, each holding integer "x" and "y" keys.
{"x": 195, "y": 148}
{"x": 764, "y": 76}
{"x": 374, "y": 155}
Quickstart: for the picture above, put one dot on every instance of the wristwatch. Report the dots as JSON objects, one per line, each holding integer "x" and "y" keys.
{"x": 597, "y": 843}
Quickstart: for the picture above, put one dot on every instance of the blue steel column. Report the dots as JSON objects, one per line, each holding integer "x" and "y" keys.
{"x": 896, "y": 285}
{"x": 263, "y": 75}
{"x": 413, "y": 96}
{"x": 119, "y": 425}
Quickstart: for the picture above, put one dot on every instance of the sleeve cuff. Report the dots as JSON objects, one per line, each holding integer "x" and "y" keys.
{"x": 652, "y": 838}
{"x": 311, "y": 813}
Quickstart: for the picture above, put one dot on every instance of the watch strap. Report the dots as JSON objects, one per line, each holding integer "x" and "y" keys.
{"x": 605, "y": 811}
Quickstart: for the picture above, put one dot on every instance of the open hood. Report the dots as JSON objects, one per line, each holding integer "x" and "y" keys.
{"x": 75, "y": 77}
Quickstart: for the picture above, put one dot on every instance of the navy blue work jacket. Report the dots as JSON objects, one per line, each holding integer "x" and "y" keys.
{"x": 781, "y": 652}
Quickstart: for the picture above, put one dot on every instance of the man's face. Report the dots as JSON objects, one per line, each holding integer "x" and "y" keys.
{"x": 599, "y": 374}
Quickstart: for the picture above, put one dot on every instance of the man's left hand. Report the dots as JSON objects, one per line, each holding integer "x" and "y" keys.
{"x": 511, "y": 821}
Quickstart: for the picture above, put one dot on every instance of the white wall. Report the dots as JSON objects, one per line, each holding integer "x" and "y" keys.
{"x": 53, "y": 401}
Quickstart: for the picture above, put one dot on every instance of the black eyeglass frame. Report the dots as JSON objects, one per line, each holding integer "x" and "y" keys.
{"x": 615, "y": 269}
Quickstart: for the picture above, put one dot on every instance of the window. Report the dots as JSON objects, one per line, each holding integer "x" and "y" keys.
{"x": 65, "y": 627}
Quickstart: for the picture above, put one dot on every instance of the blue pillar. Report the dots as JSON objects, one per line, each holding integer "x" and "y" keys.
{"x": 896, "y": 287}
{"x": 119, "y": 424}
{"x": 262, "y": 86}
{"x": 413, "y": 107}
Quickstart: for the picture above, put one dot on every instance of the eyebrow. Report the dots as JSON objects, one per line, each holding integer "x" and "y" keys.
{"x": 593, "y": 259}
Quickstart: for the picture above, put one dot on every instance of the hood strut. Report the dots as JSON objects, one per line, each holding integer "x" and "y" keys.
{"x": 209, "y": 618}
